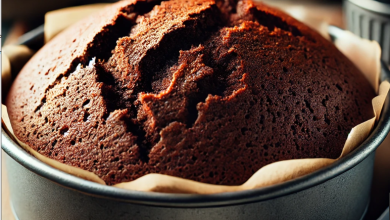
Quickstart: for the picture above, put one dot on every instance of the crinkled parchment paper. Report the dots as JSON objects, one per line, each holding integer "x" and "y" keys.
{"x": 58, "y": 20}
{"x": 363, "y": 53}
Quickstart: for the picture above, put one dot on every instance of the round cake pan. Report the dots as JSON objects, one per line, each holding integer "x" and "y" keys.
{"x": 339, "y": 191}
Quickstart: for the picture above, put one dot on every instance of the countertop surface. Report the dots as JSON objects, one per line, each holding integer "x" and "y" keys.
{"x": 6, "y": 211}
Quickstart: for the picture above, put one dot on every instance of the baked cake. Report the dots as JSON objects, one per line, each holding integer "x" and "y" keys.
{"x": 205, "y": 90}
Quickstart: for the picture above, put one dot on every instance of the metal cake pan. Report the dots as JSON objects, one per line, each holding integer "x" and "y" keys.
{"x": 339, "y": 191}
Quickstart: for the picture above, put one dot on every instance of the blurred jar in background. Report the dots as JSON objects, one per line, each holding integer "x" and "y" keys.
{"x": 370, "y": 19}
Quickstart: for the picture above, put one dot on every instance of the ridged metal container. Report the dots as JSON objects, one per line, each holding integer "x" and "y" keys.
{"x": 371, "y": 20}
{"x": 339, "y": 191}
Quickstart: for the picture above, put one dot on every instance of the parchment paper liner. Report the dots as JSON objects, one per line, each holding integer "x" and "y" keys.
{"x": 363, "y": 53}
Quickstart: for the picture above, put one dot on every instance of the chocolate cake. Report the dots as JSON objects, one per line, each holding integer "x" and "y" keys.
{"x": 205, "y": 90}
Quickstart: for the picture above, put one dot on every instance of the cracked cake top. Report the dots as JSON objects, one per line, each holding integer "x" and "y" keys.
{"x": 205, "y": 90}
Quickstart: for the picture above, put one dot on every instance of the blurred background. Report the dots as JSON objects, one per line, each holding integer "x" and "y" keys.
{"x": 21, "y": 16}
{"x": 366, "y": 18}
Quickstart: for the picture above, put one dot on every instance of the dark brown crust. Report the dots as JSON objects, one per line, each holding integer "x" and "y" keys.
{"x": 209, "y": 91}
